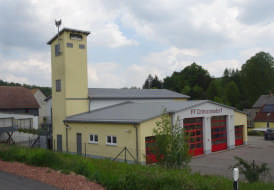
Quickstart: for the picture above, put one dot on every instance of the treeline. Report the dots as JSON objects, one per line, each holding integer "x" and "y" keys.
{"x": 45, "y": 90}
{"x": 237, "y": 88}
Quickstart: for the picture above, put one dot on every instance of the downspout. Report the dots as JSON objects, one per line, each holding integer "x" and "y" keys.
{"x": 67, "y": 126}
{"x": 137, "y": 146}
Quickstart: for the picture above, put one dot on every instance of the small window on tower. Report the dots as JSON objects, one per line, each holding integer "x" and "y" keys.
{"x": 57, "y": 50}
{"x": 76, "y": 36}
{"x": 70, "y": 45}
{"x": 81, "y": 46}
{"x": 58, "y": 85}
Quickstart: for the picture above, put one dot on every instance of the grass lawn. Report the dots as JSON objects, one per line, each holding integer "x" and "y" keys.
{"x": 116, "y": 175}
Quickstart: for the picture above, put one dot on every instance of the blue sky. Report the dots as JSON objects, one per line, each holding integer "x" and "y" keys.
{"x": 131, "y": 39}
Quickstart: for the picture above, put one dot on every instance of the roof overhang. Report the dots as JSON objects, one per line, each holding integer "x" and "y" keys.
{"x": 68, "y": 30}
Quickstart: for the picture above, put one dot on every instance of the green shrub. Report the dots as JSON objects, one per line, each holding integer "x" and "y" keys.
{"x": 122, "y": 176}
{"x": 251, "y": 170}
{"x": 255, "y": 133}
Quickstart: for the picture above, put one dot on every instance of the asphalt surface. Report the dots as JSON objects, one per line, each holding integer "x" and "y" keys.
{"x": 218, "y": 163}
{"x": 13, "y": 182}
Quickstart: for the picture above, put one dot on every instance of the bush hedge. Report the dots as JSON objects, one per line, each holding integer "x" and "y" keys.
{"x": 119, "y": 176}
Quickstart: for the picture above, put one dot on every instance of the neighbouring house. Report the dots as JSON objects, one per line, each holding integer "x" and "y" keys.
{"x": 104, "y": 122}
{"x": 18, "y": 100}
{"x": 48, "y": 101}
{"x": 257, "y": 108}
{"x": 265, "y": 117}
{"x": 43, "y": 109}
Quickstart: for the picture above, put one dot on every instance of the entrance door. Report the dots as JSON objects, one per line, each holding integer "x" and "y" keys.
{"x": 193, "y": 128}
{"x": 239, "y": 135}
{"x": 59, "y": 143}
{"x": 218, "y": 133}
{"x": 79, "y": 143}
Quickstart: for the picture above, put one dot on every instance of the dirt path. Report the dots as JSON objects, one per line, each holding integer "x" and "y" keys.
{"x": 50, "y": 176}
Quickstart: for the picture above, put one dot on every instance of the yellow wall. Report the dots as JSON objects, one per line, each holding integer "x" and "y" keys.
{"x": 71, "y": 68}
{"x": 125, "y": 134}
{"x": 263, "y": 124}
{"x": 241, "y": 119}
{"x": 182, "y": 99}
{"x": 145, "y": 129}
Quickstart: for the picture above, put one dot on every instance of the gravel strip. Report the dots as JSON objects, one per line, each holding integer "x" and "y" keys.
{"x": 71, "y": 181}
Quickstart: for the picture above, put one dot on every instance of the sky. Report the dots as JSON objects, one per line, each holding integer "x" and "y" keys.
{"x": 130, "y": 39}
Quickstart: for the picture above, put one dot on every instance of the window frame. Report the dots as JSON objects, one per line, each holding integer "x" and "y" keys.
{"x": 58, "y": 86}
{"x": 111, "y": 139}
{"x": 82, "y": 46}
{"x": 57, "y": 49}
{"x": 69, "y": 45}
{"x": 94, "y": 139}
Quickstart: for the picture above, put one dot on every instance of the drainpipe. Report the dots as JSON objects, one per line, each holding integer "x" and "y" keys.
{"x": 67, "y": 126}
{"x": 137, "y": 146}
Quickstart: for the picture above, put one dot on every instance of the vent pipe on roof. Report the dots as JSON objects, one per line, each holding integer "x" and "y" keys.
{"x": 58, "y": 24}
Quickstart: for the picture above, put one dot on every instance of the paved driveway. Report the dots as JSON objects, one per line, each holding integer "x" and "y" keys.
{"x": 218, "y": 162}
{"x": 12, "y": 182}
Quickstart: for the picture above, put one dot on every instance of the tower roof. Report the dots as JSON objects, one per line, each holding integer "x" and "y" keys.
{"x": 67, "y": 30}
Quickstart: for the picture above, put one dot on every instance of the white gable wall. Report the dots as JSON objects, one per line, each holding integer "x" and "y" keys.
{"x": 206, "y": 111}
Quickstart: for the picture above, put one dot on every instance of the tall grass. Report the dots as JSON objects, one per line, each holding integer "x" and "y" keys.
{"x": 119, "y": 176}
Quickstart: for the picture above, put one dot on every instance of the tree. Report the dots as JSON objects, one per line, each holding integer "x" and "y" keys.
{"x": 232, "y": 94}
{"x": 152, "y": 82}
{"x": 171, "y": 145}
{"x": 257, "y": 76}
{"x": 193, "y": 80}
{"x": 213, "y": 90}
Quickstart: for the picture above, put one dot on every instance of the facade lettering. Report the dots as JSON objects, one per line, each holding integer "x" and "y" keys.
{"x": 200, "y": 111}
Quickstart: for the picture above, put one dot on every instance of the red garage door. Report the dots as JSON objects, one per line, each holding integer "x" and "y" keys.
{"x": 150, "y": 144}
{"x": 218, "y": 133}
{"x": 193, "y": 128}
{"x": 239, "y": 135}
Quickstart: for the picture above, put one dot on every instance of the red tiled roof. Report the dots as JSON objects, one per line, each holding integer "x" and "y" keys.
{"x": 264, "y": 115}
{"x": 16, "y": 97}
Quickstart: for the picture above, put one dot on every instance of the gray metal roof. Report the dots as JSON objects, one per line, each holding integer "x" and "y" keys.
{"x": 111, "y": 93}
{"x": 262, "y": 100}
{"x": 132, "y": 112}
{"x": 69, "y": 30}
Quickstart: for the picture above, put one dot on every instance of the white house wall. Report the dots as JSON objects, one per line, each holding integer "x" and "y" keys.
{"x": 206, "y": 111}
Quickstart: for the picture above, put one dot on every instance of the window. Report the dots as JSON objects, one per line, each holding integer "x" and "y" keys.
{"x": 70, "y": 45}
{"x": 58, "y": 85}
{"x": 81, "y": 46}
{"x": 93, "y": 138}
{"x": 111, "y": 140}
{"x": 76, "y": 36}
{"x": 57, "y": 50}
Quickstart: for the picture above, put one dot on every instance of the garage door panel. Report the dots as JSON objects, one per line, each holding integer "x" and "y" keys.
{"x": 239, "y": 135}
{"x": 218, "y": 133}
{"x": 193, "y": 128}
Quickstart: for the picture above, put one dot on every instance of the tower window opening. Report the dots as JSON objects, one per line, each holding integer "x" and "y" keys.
{"x": 74, "y": 36}
{"x": 70, "y": 45}
{"x": 57, "y": 50}
{"x": 81, "y": 46}
{"x": 58, "y": 85}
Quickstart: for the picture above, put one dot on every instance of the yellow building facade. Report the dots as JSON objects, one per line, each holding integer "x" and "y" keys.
{"x": 121, "y": 130}
{"x": 69, "y": 79}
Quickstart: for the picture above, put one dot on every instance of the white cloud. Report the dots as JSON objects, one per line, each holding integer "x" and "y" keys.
{"x": 217, "y": 67}
{"x": 32, "y": 70}
{"x": 116, "y": 39}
